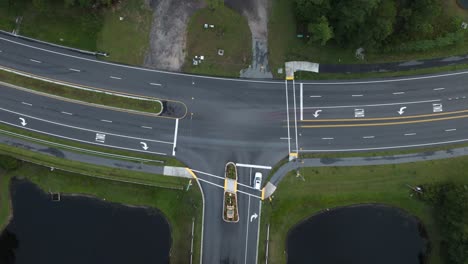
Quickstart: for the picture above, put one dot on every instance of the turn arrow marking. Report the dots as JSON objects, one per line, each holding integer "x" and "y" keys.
{"x": 144, "y": 146}
{"x": 253, "y": 217}
{"x": 23, "y": 121}
{"x": 316, "y": 114}
{"x": 402, "y": 110}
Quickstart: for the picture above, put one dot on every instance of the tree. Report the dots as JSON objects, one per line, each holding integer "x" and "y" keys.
{"x": 321, "y": 31}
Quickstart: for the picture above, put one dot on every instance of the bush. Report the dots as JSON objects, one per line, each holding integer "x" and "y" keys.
{"x": 9, "y": 163}
{"x": 450, "y": 202}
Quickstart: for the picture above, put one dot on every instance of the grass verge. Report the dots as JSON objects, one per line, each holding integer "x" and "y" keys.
{"x": 337, "y": 76}
{"x": 329, "y": 187}
{"x": 147, "y": 106}
{"x": 231, "y": 33}
{"x": 178, "y": 206}
{"x": 126, "y": 40}
{"x": 285, "y": 46}
{"x": 89, "y": 29}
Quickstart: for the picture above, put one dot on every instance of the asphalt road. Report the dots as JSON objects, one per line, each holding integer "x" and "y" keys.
{"x": 244, "y": 121}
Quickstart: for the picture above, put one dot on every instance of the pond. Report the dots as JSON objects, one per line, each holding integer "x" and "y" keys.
{"x": 463, "y": 3}
{"x": 364, "y": 234}
{"x": 80, "y": 229}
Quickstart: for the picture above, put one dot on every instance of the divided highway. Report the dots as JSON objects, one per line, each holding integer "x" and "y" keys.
{"x": 252, "y": 123}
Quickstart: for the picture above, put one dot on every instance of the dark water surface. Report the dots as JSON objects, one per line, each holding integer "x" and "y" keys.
{"x": 364, "y": 234}
{"x": 463, "y": 3}
{"x": 80, "y": 230}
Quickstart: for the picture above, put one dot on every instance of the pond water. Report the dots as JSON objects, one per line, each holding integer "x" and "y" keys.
{"x": 463, "y": 3}
{"x": 364, "y": 234}
{"x": 80, "y": 230}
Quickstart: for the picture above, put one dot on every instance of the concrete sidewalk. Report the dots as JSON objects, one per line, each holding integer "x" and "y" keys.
{"x": 360, "y": 161}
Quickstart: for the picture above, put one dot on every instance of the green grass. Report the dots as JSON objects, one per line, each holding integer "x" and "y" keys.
{"x": 4, "y": 199}
{"x": 178, "y": 206}
{"x": 128, "y": 40}
{"x": 344, "y": 76}
{"x": 72, "y": 26}
{"x": 89, "y": 29}
{"x": 148, "y": 106}
{"x": 329, "y": 187}
{"x": 285, "y": 46}
{"x": 231, "y": 33}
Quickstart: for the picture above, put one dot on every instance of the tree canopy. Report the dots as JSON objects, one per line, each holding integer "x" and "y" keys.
{"x": 375, "y": 23}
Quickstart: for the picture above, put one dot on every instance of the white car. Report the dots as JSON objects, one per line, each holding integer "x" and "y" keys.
{"x": 257, "y": 183}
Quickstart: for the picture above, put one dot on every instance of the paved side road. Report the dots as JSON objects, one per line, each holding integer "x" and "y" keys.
{"x": 365, "y": 161}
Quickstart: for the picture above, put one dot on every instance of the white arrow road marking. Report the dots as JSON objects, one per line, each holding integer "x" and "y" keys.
{"x": 316, "y": 114}
{"x": 402, "y": 110}
{"x": 253, "y": 217}
{"x": 144, "y": 146}
{"x": 23, "y": 122}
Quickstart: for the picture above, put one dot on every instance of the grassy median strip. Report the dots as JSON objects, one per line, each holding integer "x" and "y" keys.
{"x": 178, "y": 205}
{"x": 148, "y": 106}
{"x": 319, "y": 188}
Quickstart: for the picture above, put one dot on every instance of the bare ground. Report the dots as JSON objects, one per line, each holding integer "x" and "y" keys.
{"x": 256, "y": 12}
{"x": 169, "y": 32}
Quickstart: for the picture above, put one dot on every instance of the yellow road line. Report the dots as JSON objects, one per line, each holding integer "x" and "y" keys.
{"x": 388, "y": 124}
{"x": 289, "y": 78}
{"x": 225, "y": 184}
{"x": 191, "y": 173}
{"x": 385, "y": 118}
{"x": 263, "y": 193}
{"x": 235, "y": 186}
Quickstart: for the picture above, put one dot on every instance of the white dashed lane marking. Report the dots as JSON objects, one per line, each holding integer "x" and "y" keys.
{"x": 36, "y": 61}
{"x": 107, "y": 121}
{"x": 66, "y": 113}
{"x": 146, "y": 127}
{"x": 410, "y": 134}
{"x": 75, "y": 70}
{"x": 26, "y": 103}
{"x": 115, "y": 77}
{"x": 450, "y": 130}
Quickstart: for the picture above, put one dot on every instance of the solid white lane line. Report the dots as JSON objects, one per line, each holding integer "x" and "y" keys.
{"x": 114, "y": 77}
{"x": 438, "y": 89}
{"x": 367, "y": 137}
{"x": 26, "y": 103}
{"x": 357, "y": 95}
{"x": 258, "y": 229}
{"x": 315, "y": 96}
{"x": 66, "y": 113}
{"x": 371, "y": 105}
{"x": 107, "y": 121}
{"x": 295, "y": 115}
{"x": 79, "y": 140}
{"x": 175, "y": 136}
{"x": 253, "y": 166}
{"x": 75, "y": 70}
{"x": 301, "y": 95}
{"x": 247, "y": 234}
{"x": 410, "y": 134}
{"x": 36, "y": 61}
{"x": 246, "y": 186}
{"x": 146, "y": 127}
{"x": 214, "y": 184}
{"x": 450, "y": 130}
{"x": 389, "y": 147}
{"x": 208, "y": 174}
{"x": 84, "y": 129}
{"x": 231, "y": 79}
{"x": 328, "y": 138}
{"x": 396, "y": 93}
{"x": 155, "y": 84}
{"x": 287, "y": 112}
{"x": 251, "y": 195}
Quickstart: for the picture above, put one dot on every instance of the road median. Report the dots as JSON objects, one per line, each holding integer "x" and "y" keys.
{"x": 80, "y": 94}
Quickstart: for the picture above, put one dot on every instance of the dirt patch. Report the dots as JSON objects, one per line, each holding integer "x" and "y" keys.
{"x": 168, "y": 33}
{"x": 256, "y": 12}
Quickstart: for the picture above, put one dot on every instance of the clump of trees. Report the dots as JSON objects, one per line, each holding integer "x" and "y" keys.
{"x": 8, "y": 163}
{"x": 388, "y": 25}
{"x": 450, "y": 202}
